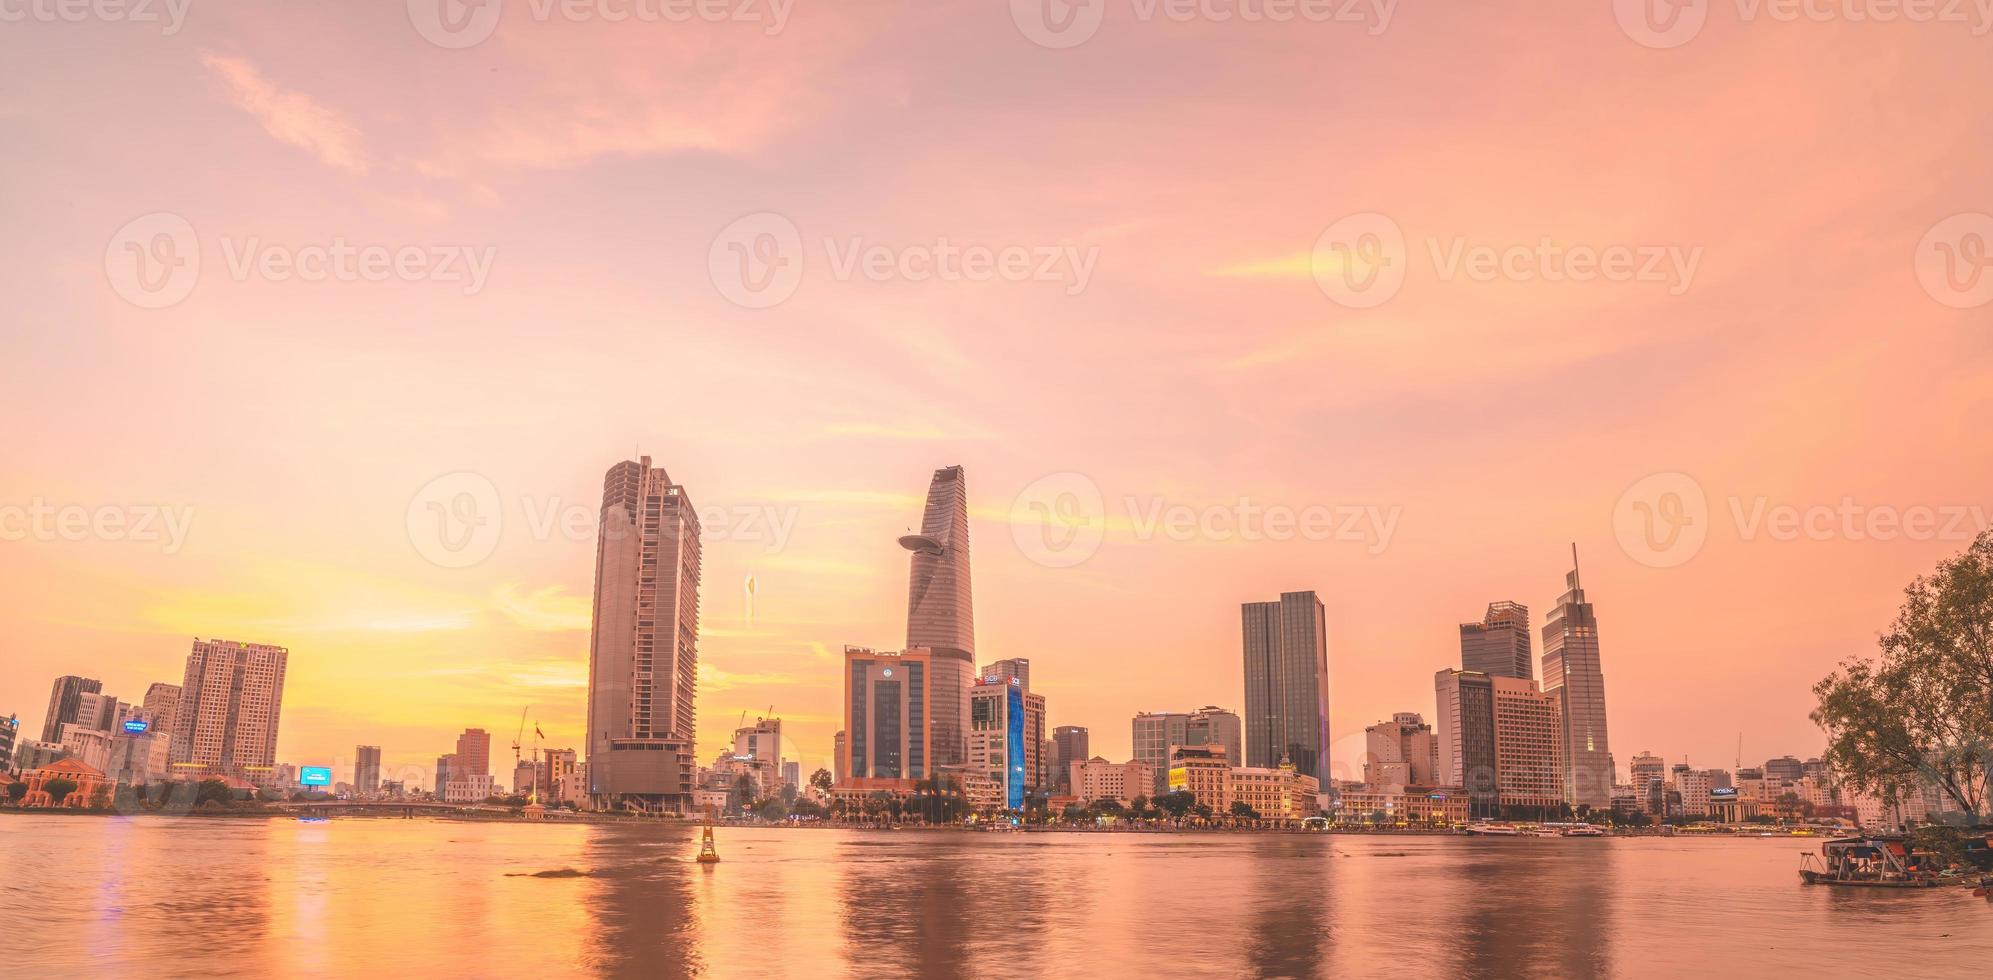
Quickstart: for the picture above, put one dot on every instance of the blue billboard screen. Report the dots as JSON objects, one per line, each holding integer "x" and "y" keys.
{"x": 137, "y": 726}
{"x": 315, "y": 776}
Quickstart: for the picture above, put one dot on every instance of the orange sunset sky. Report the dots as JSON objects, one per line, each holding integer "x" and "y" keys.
{"x": 1804, "y": 364}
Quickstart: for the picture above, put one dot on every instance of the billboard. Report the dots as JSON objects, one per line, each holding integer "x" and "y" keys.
{"x": 314, "y": 776}
{"x": 137, "y": 726}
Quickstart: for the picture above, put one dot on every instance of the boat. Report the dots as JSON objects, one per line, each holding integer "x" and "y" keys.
{"x": 1585, "y": 830}
{"x": 1485, "y": 829}
{"x": 1879, "y": 862}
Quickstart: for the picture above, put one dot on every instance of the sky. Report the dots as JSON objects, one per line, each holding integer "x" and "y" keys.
{"x": 1211, "y": 304}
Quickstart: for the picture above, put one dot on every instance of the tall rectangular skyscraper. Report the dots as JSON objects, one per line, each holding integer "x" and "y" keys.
{"x": 643, "y": 659}
{"x": 1287, "y": 684}
{"x": 940, "y": 614}
{"x": 1464, "y": 739}
{"x": 474, "y": 752}
{"x": 887, "y": 697}
{"x": 231, "y": 701}
{"x": 1571, "y": 670}
{"x": 63, "y": 697}
{"x": 1498, "y": 645}
{"x": 367, "y": 769}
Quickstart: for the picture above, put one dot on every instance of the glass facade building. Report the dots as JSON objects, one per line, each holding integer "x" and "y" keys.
{"x": 1287, "y": 684}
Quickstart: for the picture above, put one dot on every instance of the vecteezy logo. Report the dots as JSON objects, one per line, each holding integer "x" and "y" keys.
{"x": 455, "y": 23}
{"x": 1661, "y": 23}
{"x": 1058, "y": 23}
{"x": 757, "y": 261}
{"x": 454, "y": 520}
{"x": 154, "y": 260}
{"x": 1059, "y": 520}
{"x": 1360, "y": 260}
{"x": 1663, "y": 520}
{"x": 1954, "y": 260}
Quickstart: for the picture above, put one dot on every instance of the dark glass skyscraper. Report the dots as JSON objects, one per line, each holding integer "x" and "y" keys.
{"x": 1287, "y": 684}
{"x": 1498, "y": 645}
{"x": 62, "y": 701}
{"x": 940, "y": 615}
{"x": 1571, "y": 670}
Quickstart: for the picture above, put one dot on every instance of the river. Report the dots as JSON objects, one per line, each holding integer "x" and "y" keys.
{"x": 151, "y": 897}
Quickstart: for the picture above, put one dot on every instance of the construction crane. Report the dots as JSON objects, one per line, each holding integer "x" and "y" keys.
{"x": 520, "y": 734}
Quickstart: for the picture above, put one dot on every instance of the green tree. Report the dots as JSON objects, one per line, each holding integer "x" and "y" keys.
{"x": 1243, "y": 811}
{"x": 100, "y": 798}
{"x": 822, "y": 780}
{"x": 740, "y": 796}
{"x": 58, "y": 790}
{"x": 213, "y": 791}
{"x": 772, "y": 810}
{"x": 1921, "y": 711}
{"x": 1074, "y": 813}
{"x": 807, "y": 809}
{"x": 16, "y": 790}
{"x": 1177, "y": 804}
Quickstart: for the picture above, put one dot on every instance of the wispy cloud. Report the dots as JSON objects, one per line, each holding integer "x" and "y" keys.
{"x": 292, "y": 117}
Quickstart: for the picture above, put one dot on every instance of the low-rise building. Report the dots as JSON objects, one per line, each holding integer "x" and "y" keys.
{"x": 1204, "y": 772}
{"x": 1278, "y": 794}
{"x": 88, "y": 781}
{"x": 468, "y": 788}
{"x": 1098, "y": 779}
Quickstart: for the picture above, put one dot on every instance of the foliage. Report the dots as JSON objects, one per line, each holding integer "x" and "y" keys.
{"x": 1243, "y": 811}
{"x": 1177, "y": 804}
{"x": 1921, "y": 712}
{"x": 100, "y": 798}
{"x": 58, "y": 789}
{"x": 807, "y": 809}
{"x": 821, "y": 779}
{"x": 16, "y": 790}
{"x": 772, "y": 810}
{"x": 213, "y": 791}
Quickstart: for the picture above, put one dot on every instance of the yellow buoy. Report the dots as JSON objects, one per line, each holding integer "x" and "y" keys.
{"x": 707, "y": 855}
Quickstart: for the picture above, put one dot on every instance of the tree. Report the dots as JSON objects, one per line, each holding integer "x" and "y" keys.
{"x": 1176, "y": 804}
{"x": 772, "y": 810}
{"x": 807, "y": 809}
{"x": 1244, "y": 811}
{"x": 821, "y": 779}
{"x": 58, "y": 789}
{"x": 1921, "y": 712}
{"x": 740, "y": 796}
{"x": 213, "y": 791}
{"x": 15, "y": 791}
{"x": 1074, "y": 813}
{"x": 1139, "y": 808}
{"x": 788, "y": 794}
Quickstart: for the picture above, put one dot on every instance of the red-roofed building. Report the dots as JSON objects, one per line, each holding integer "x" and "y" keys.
{"x": 88, "y": 780}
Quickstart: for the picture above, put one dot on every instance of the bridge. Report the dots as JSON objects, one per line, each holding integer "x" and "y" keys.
{"x": 407, "y": 808}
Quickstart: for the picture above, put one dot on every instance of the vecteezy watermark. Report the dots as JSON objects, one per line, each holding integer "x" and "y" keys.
{"x": 154, "y": 261}
{"x": 1361, "y": 260}
{"x": 457, "y": 520}
{"x": 1061, "y": 520}
{"x": 1070, "y": 23}
{"x": 1664, "y": 519}
{"x": 39, "y": 520}
{"x": 1673, "y": 23}
{"x": 759, "y": 260}
{"x": 170, "y": 14}
{"x": 1954, "y": 260}
{"x": 466, "y": 23}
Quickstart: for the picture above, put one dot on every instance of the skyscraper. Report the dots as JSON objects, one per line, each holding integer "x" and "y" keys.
{"x": 1571, "y": 670}
{"x": 1069, "y": 745}
{"x": 1155, "y": 733}
{"x": 231, "y": 700}
{"x": 940, "y": 616}
{"x": 643, "y": 652}
{"x": 1529, "y": 736}
{"x": 1038, "y": 763}
{"x": 998, "y": 738}
{"x": 1464, "y": 743}
{"x": 62, "y": 699}
{"x": 10, "y": 732}
{"x": 887, "y": 696}
{"x": 473, "y": 753}
{"x": 1003, "y": 670}
{"x": 1498, "y": 645}
{"x": 1287, "y": 684}
{"x": 367, "y": 769}
{"x": 162, "y": 705}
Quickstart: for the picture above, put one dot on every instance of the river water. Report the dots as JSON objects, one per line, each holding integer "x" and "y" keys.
{"x": 151, "y": 897}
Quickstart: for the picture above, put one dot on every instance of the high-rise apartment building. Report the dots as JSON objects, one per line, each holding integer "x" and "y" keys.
{"x": 1464, "y": 739}
{"x": 643, "y": 662}
{"x": 62, "y": 702}
{"x": 1498, "y": 645}
{"x": 231, "y": 702}
{"x": 366, "y": 769}
{"x": 1571, "y": 670}
{"x": 1400, "y": 752}
{"x": 1287, "y": 684}
{"x": 10, "y": 732}
{"x": 887, "y": 728}
{"x": 940, "y": 613}
{"x": 1529, "y": 735}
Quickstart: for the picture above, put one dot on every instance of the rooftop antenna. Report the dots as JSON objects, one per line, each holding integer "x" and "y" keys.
{"x": 1576, "y": 582}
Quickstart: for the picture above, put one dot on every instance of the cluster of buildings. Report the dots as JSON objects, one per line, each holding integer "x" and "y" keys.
{"x": 220, "y": 721}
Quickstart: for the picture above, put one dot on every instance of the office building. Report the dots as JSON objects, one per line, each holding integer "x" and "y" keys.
{"x": 1650, "y": 776}
{"x": 98, "y": 711}
{"x": 1529, "y": 732}
{"x": 761, "y": 740}
{"x": 231, "y": 704}
{"x": 474, "y": 753}
{"x": 367, "y": 769}
{"x": 888, "y": 729}
{"x": 444, "y": 766}
{"x": 1280, "y": 794}
{"x": 1287, "y": 684}
{"x": 792, "y": 774}
{"x": 1098, "y": 779}
{"x": 1571, "y": 670}
{"x": 1695, "y": 786}
{"x": 940, "y": 614}
{"x": 1204, "y": 772}
{"x": 1018, "y": 668}
{"x": 1464, "y": 736}
{"x": 62, "y": 703}
{"x": 838, "y": 773}
{"x": 559, "y": 776}
{"x": 30, "y": 753}
{"x": 998, "y": 738}
{"x": 1498, "y": 645}
{"x": 1400, "y": 752}
{"x": 10, "y": 733}
{"x": 643, "y": 662}
{"x": 162, "y": 705}
{"x": 1155, "y": 733}
{"x": 1785, "y": 767}
{"x": 1069, "y": 745}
